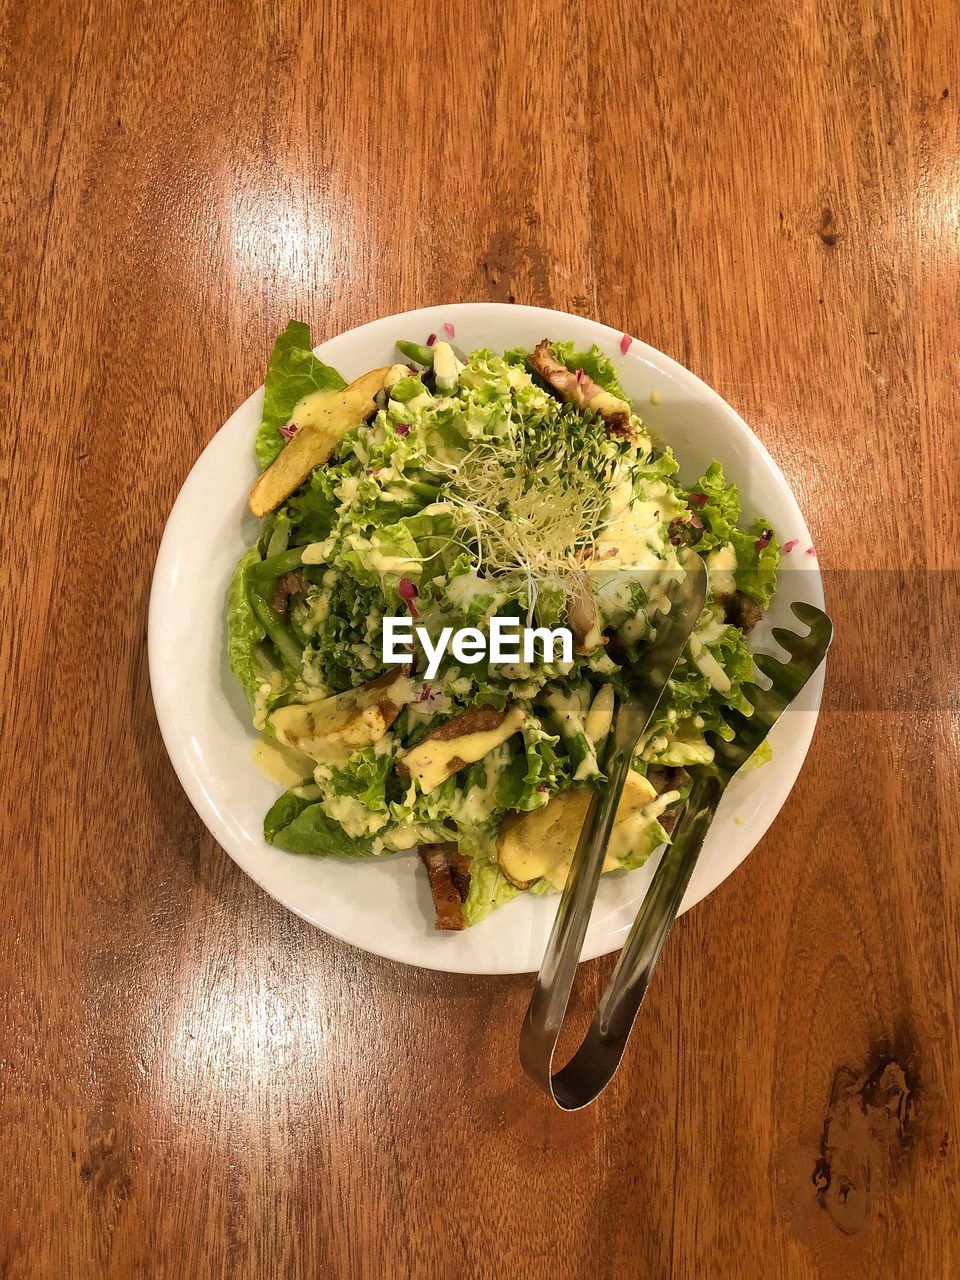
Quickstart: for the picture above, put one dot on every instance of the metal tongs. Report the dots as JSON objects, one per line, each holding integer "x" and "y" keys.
{"x": 593, "y": 1065}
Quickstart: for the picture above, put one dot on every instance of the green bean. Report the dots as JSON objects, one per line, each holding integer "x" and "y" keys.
{"x": 423, "y": 490}
{"x": 279, "y": 633}
{"x": 294, "y": 613}
{"x": 415, "y": 352}
{"x": 267, "y": 571}
{"x": 570, "y": 728}
{"x": 279, "y": 536}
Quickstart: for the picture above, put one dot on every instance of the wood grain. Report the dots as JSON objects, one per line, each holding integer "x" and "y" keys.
{"x": 194, "y": 1083}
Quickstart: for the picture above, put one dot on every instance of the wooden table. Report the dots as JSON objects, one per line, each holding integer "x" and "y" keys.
{"x": 194, "y": 1083}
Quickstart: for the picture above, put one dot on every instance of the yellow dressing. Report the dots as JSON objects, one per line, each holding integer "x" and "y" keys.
{"x": 283, "y": 765}
{"x": 430, "y": 761}
{"x": 600, "y": 715}
{"x": 721, "y": 565}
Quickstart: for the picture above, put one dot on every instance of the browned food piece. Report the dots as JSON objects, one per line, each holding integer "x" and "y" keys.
{"x": 582, "y": 616}
{"x": 742, "y": 611}
{"x": 321, "y": 420}
{"x": 448, "y": 871}
{"x": 667, "y": 777}
{"x": 581, "y": 390}
{"x": 668, "y": 819}
{"x": 458, "y": 742}
{"x": 288, "y": 584}
{"x": 329, "y": 729}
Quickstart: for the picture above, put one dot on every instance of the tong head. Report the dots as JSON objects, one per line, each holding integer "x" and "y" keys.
{"x": 594, "y": 1063}
{"x": 786, "y": 680}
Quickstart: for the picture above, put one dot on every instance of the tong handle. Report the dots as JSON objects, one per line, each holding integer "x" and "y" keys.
{"x": 551, "y": 995}
{"x": 593, "y": 1065}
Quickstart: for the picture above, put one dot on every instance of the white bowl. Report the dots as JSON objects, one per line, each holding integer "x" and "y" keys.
{"x": 384, "y": 905}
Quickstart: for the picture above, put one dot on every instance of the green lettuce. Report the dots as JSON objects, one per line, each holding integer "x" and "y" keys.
{"x": 650, "y": 838}
{"x": 534, "y": 771}
{"x": 756, "y": 571}
{"x": 294, "y": 372}
{"x": 312, "y": 509}
{"x": 244, "y": 632}
{"x": 593, "y": 363}
{"x": 757, "y": 562}
{"x": 301, "y": 826}
{"x": 721, "y": 511}
{"x": 489, "y": 888}
{"x": 763, "y": 755}
{"x": 364, "y": 776}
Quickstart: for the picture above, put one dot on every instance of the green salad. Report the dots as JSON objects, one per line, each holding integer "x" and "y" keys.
{"x": 452, "y": 488}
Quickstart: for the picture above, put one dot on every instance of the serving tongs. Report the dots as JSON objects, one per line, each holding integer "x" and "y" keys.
{"x": 593, "y": 1065}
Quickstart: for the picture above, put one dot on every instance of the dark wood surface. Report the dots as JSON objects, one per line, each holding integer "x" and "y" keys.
{"x": 195, "y": 1083}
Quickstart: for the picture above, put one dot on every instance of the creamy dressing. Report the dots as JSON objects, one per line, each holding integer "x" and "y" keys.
{"x": 709, "y": 666}
{"x": 721, "y": 566}
{"x": 475, "y": 806}
{"x": 346, "y": 490}
{"x": 446, "y": 367}
{"x": 317, "y": 552}
{"x": 467, "y": 587}
{"x": 600, "y": 716}
{"x": 431, "y": 761}
{"x": 260, "y": 699}
{"x": 604, "y": 402}
{"x": 355, "y": 818}
{"x": 392, "y": 564}
{"x": 711, "y": 632}
{"x": 380, "y": 562}
{"x": 570, "y": 711}
{"x": 286, "y": 766}
{"x": 656, "y": 807}
{"x": 568, "y": 708}
{"x": 312, "y": 408}
{"x": 634, "y": 528}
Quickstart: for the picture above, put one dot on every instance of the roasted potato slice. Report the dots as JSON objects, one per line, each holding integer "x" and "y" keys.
{"x": 322, "y": 418}
{"x": 330, "y": 728}
{"x": 543, "y": 842}
{"x": 458, "y": 742}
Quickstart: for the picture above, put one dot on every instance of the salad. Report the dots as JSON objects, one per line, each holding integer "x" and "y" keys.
{"x": 454, "y": 487}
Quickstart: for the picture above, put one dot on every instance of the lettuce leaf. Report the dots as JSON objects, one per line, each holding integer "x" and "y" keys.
{"x": 301, "y": 826}
{"x": 763, "y": 755}
{"x": 244, "y": 632}
{"x": 364, "y": 776}
{"x": 534, "y": 771}
{"x": 651, "y": 837}
{"x": 593, "y": 363}
{"x": 721, "y": 511}
{"x": 756, "y": 571}
{"x": 313, "y": 508}
{"x": 294, "y": 371}
{"x": 489, "y": 888}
